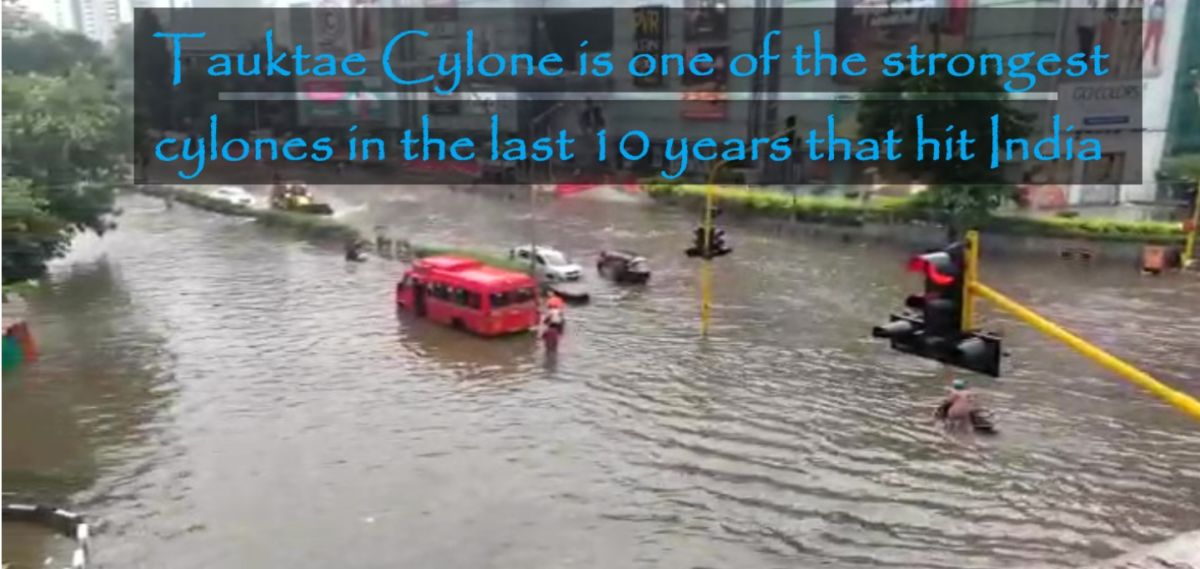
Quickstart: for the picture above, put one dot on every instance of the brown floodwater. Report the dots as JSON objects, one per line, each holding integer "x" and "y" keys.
{"x": 215, "y": 394}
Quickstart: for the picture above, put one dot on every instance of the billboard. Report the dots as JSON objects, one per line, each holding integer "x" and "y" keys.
{"x": 1154, "y": 27}
{"x": 1125, "y": 32}
{"x": 1109, "y": 105}
{"x": 706, "y": 20}
{"x": 649, "y": 34}
{"x": 706, "y": 30}
{"x": 705, "y": 98}
{"x": 876, "y": 28}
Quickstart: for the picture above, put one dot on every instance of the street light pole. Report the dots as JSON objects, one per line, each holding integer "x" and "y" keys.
{"x": 535, "y": 126}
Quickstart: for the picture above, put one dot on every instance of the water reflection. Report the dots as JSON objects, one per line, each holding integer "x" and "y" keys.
{"x": 90, "y": 408}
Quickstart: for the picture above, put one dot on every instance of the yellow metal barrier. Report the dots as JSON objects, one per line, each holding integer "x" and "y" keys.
{"x": 1176, "y": 399}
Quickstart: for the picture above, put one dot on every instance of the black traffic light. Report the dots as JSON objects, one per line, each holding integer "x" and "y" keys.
{"x": 944, "y": 273}
{"x": 697, "y": 248}
{"x": 715, "y": 247}
{"x": 931, "y": 326}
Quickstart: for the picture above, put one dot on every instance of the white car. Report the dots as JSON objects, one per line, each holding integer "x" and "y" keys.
{"x": 549, "y": 264}
{"x": 233, "y": 194}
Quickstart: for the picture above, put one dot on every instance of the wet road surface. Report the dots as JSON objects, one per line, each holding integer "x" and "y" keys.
{"x": 219, "y": 395}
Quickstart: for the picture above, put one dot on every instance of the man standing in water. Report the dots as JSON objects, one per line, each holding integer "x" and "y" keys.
{"x": 958, "y": 405}
{"x": 553, "y": 323}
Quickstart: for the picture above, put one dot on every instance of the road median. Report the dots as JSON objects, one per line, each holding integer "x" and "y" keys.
{"x": 844, "y": 211}
{"x": 317, "y": 228}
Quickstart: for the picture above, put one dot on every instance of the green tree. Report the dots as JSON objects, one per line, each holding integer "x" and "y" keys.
{"x": 32, "y": 46}
{"x": 961, "y": 193}
{"x": 65, "y": 138}
{"x": 31, "y": 234}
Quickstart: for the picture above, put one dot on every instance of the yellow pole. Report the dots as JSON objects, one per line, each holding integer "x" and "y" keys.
{"x": 1189, "y": 249}
{"x": 971, "y": 277}
{"x": 705, "y": 295}
{"x": 1176, "y": 399}
{"x": 710, "y": 199}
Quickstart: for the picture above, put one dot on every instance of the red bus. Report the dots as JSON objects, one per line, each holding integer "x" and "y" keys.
{"x": 465, "y": 293}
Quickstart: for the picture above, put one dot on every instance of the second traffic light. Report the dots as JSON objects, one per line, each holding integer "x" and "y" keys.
{"x": 715, "y": 247}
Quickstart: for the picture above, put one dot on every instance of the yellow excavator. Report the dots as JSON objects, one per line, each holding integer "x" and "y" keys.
{"x": 294, "y": 196}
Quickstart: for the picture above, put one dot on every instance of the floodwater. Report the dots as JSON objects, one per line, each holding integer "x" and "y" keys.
{"x": 214, "y": 394}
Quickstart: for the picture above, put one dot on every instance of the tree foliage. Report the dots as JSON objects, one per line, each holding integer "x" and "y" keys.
{"x": 65, "y": 138}
{"x": 1184, "y": 166}
{"x": 32, "y": 46}
{"x": 962, "y": 192}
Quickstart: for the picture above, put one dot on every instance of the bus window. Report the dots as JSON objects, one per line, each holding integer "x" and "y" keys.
{"x": 460, "y": 296}
{"x": 439, "y": 291}
{"x": 522, "y": 295}
{"x": 474, "y": 300}
{"x": 499, "y": 300}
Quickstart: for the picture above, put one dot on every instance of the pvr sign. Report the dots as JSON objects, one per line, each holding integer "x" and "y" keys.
{"x": 649, "y": 33}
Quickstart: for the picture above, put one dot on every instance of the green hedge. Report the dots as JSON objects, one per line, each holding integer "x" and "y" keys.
{"x": 1089, "y": 228}
{"x": 848, "y": 211}
{"x": 309, "y": 226}
{"x": 488, "y": 258}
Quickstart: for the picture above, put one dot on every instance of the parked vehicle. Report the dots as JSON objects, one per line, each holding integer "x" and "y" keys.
{"x": 235, "y": 195}
{"x": 294, "y": 196}
{"x": 469, "y": 295}
{"x": 623, "y": 267}
{"x": 549, "y": 264}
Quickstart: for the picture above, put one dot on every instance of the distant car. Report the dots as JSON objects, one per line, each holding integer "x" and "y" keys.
{"x": 234, "y": 195}
{"x": 549, "y": 264}
{"x": 623, "y": 267}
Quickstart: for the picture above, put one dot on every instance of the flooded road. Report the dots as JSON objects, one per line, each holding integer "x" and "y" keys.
{"x": 218, "y": 395}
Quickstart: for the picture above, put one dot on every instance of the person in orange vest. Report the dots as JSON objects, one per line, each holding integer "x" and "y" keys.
{"x": 553, "y": 323}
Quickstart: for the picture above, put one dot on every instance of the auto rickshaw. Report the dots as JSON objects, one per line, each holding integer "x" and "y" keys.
{"x": 623, "y": 267}
{"x": 294, "y": 196}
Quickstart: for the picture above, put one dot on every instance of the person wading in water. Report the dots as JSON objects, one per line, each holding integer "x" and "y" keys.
{"x": 958, "y": 406}
{"x": 553, "y": 323}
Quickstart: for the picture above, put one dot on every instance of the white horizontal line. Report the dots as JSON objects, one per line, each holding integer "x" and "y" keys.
{"x": 483, "y": 96}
